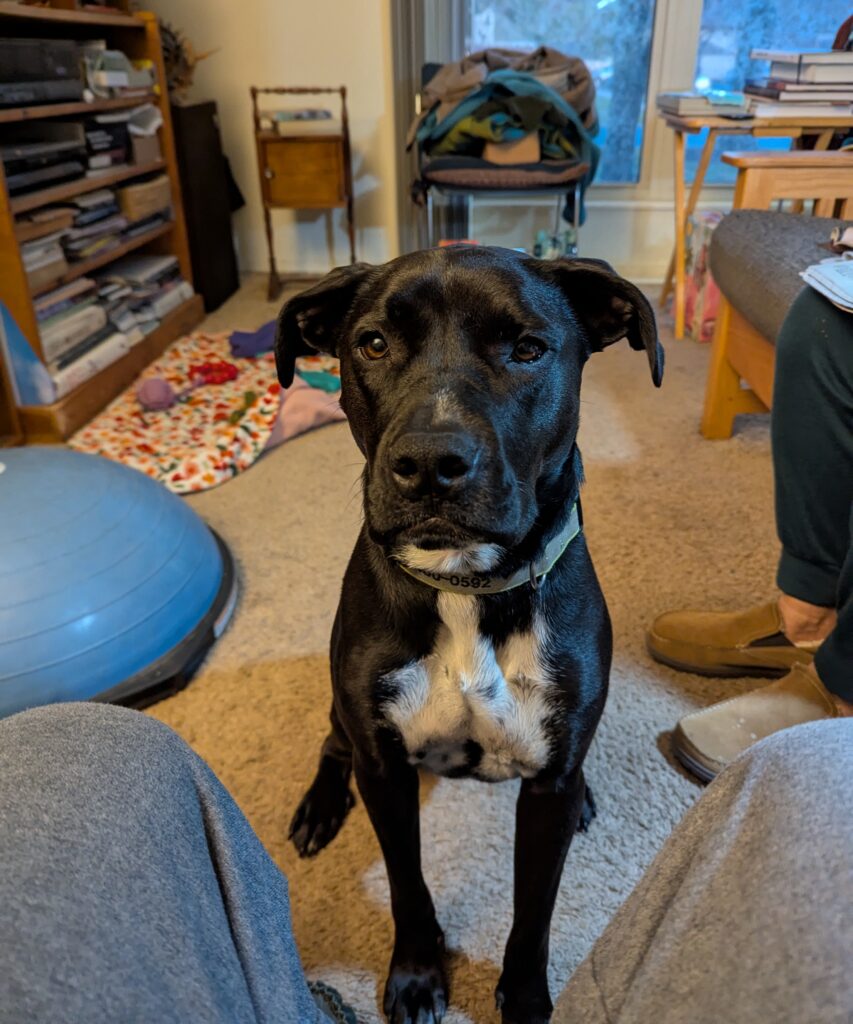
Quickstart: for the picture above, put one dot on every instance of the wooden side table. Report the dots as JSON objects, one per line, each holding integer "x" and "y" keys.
{"x": 793, "y": 127}
{"x": 303, "y": 171}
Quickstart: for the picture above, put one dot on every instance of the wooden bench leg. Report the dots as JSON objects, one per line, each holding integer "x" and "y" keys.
{"x": 724, "y": 396}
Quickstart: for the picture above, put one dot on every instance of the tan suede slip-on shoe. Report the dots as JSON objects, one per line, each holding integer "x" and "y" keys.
{"x": 708, "y": 740}
{"x": 749, "y": 643}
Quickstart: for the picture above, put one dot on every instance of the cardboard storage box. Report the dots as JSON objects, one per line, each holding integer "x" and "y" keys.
{"x": 145, "y": 198}
{"x": 146, "y": 149}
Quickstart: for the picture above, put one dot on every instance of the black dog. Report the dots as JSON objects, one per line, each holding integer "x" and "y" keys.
{"x": 472, "y": 637}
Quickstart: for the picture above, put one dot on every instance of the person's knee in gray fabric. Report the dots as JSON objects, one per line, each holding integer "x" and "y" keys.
{"x": 811, "y": 761}
{"x": 744, "y": 915}
{"x": 132, "y": 886}
{"x": 52, "y": 744}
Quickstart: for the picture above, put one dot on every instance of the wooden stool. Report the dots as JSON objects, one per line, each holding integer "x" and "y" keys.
{"x": 303, "y": 170}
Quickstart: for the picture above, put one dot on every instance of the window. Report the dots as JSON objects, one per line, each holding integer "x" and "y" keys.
{"x": 613, "y": 37}
{"x": 729, "y": 30}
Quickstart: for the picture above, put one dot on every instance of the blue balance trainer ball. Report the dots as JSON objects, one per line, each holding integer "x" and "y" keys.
{"x": 111, "y": 587}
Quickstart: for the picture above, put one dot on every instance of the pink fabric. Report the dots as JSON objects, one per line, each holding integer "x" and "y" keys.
{"x": 304, "y": 408}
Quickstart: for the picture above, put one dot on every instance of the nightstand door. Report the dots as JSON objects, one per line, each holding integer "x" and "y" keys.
{"x": 304, "y": 172}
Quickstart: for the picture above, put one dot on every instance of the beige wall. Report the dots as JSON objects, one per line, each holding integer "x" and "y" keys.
{"x": 300, "y": 42}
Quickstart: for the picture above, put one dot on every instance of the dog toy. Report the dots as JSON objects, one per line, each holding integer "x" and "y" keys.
{"x": 157, "y": 394}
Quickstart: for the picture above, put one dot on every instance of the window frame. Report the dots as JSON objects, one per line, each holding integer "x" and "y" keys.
{"x": 437, "y": 27}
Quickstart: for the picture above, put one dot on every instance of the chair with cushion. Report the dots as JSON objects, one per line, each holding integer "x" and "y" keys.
{"x": 756, "y": 256}
{"x": 494, "y": 84}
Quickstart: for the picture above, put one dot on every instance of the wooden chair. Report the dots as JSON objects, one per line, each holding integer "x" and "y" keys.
{"x": 740, "y": 352}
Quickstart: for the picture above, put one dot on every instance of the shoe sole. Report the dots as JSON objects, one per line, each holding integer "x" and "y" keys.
{"x": 685, "y": 758}
{"x": 718, "y": 671}
{"x": 692, "y": 765}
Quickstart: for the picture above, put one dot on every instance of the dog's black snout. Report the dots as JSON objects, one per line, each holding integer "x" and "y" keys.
{"x": 433, "y": 462}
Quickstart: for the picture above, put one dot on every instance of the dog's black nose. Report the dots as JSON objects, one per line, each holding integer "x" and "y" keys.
{"x": 433, "y": 462}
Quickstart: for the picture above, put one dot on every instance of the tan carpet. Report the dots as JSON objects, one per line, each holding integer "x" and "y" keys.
{"x": 672, "y": 520}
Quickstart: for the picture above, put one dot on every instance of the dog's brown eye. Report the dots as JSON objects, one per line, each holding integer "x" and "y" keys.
{"x": 374, "y": 347}
{"x": 528, "y": 350}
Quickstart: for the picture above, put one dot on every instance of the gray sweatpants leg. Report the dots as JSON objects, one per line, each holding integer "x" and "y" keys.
{"x": 132, "y": 889}
{"x": 746, "y": 914}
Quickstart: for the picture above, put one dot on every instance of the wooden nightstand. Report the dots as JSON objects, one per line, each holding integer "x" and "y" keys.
{"x": 308, "y": 170}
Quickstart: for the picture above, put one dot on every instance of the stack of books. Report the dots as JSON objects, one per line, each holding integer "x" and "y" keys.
{"x": 107, "y": 140}
{"x": 140, "y": 291}
{"x": 97, "y": 226}
{"x": 82, "y": 333}
{"x": 802, "y": 84}
{"x": 44, "y": 260}
{"x": 712, "y": 102}
{"x": 78, "y": 339}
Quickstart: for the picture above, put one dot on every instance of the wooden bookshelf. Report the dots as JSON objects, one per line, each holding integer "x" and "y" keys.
{"x": 11, "y": 431}
{"x": 9, "y": 115}
{"x": 59, "y": 20}
{"x": 67, "y": 16}
{"x": 83, "y": 267}
{"x": 80, "y": 186}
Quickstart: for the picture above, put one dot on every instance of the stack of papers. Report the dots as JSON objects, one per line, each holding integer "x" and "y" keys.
{"x": 834, "y": 279}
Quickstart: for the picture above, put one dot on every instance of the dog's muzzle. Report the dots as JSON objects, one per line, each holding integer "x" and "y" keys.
{"x": 440, "y": 464}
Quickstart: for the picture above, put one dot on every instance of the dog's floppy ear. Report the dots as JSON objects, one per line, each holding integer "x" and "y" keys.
{"x": 312, "y": 319}
{"x": 610, "y": 308}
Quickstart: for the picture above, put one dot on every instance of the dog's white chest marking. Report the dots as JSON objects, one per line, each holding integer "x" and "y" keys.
{"x": 472, "y": 705}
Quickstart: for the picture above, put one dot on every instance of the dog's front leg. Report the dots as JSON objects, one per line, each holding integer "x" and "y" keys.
{"x": 416, "y": 990}
{"x": 546, "y": 819}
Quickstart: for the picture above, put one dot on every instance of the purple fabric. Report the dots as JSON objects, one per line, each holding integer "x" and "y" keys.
{"x": 248, "y": 344}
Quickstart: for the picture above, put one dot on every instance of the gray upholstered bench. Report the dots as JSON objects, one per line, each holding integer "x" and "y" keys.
{"x": 756, "y": 257}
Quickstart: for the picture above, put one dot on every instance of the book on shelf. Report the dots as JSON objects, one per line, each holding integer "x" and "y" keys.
{"x": 70, "y": 305}
{"x": 61, "y": 298}
{"x": 144, "y": 270}
{"x": 44, "y": 261}
{"x": 104, "y": 225}
{"x": 107, "y": 158}
{"x": 72, "y": 354}
{"x": 89, "y": 365}
{"x": 69, "y": 330}
{"x": 42, "y": 250}
{"x": 87, "y": 248}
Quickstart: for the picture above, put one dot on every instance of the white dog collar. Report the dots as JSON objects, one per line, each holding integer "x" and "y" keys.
{"x": 483, "y": 583}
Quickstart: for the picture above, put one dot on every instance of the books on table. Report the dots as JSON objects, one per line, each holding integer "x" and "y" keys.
{"x": 715, "y": 102}
{"x": 799, "y": 92}
{"x": 802, "y": 84}
{"x": 771, "y": 108}
{"x": 805, "y": 66}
